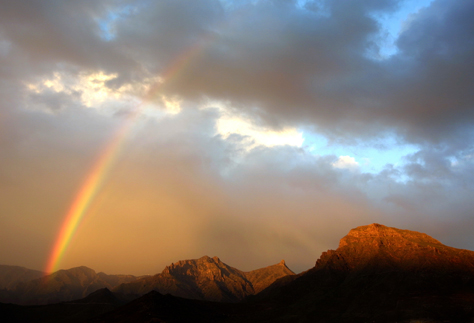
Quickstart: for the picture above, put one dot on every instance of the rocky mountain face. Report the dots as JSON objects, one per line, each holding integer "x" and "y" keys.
{"x": 64, "y": 285}
{"x": 377, "y": 247}
{"x": 207, "y": 279}
{"x": 380, "y": 274}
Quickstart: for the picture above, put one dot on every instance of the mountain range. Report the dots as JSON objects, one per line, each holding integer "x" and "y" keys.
{"x": 377, "y": 274}
{"x": 207, "y": 279}
{"x": 204, "y": 278}
{"x": 60, "y": 286}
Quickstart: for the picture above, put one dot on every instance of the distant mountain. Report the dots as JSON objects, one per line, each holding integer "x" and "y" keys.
{"x": 206, "y": 279}
{"x": 10, "y": 276}
{"x": 379, "y": 274}
{"x": 65, "y": 285}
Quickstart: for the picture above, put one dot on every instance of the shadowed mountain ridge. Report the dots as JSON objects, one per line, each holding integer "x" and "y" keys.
{"x": 65, "y": 285}
{"x": 10, "y": 276}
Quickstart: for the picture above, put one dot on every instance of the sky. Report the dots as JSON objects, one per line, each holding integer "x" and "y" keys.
{"x": 255, "y": 130}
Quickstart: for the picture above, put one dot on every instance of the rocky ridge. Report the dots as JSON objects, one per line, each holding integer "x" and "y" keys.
{"x": 207, "y": 279}
{"x": 379, "y": 246}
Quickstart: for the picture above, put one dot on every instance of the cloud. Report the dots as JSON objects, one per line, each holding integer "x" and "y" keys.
{"x": 297, "y": 65}
{"x": 301, "y": 67}
{"x": 91, "y": 90}
{"x": 254, "y": 135}
{"x": 345, "y": 162}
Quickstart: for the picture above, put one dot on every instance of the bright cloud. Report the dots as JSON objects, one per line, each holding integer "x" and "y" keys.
{"x": 254, "y": 135}
{"x": 92, "y": 90}
{"x": 347, "y": 162}
{"x": 173, "y": 105}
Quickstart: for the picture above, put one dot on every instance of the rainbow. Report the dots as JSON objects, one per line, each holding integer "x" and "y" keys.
{"x": 102, "y": 166}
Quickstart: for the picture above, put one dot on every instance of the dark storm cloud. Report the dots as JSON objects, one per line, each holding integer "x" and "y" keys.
{"x": 289, "y": 64}
{"x": 157, "y": 32}
{"x": 289, "y": 61}
{"x": 316, "y": 66}
{"x": 433, "y": 97}
{"x": 45, "y": 36}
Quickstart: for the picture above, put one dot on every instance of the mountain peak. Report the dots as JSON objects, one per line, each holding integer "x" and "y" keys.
{"x": 382, "y": 274}
{"x": 208, "y": 278}
{"x": 375, "y": 233}
{"x": 282, "y": 263}
{"x": 376, "y": 245}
